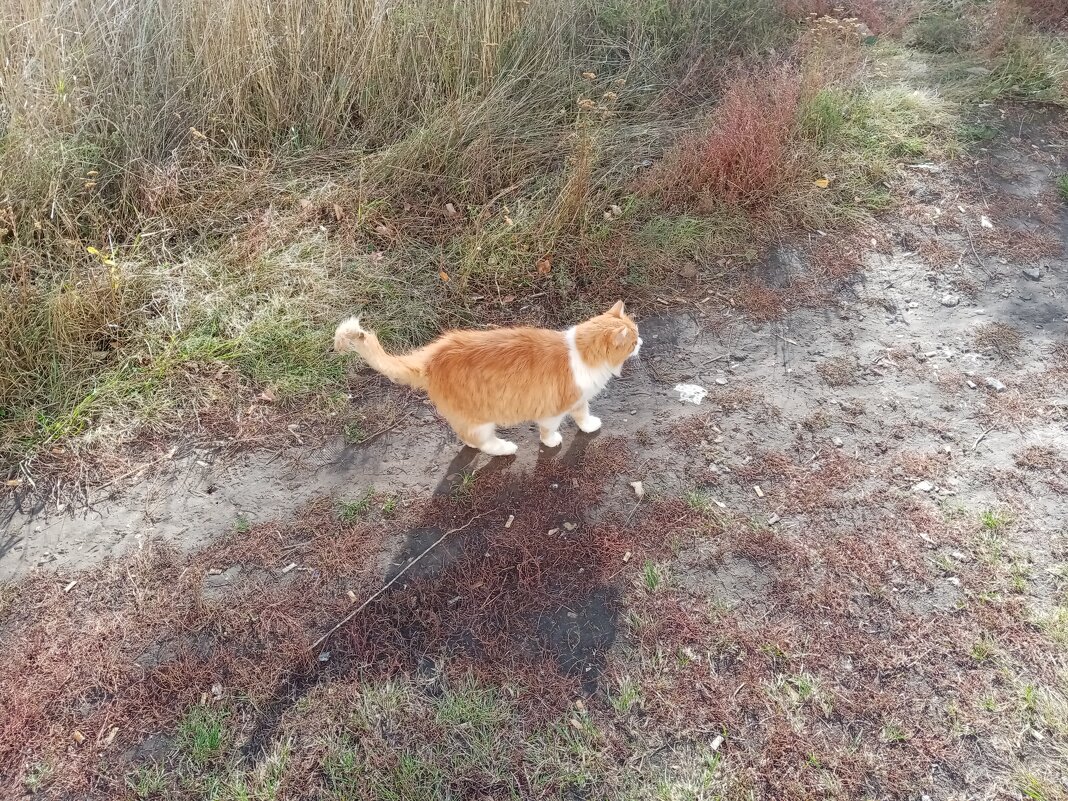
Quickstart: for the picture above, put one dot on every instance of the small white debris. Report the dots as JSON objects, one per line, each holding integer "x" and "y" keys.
{"x": 759, "y": 492}
{"x": 972, "y": 384}
{"x": 570, "y": 526}
{"x": 721, "y": 380}
{"x": 950, "y": 300}
{"x": 352, "y": 596}
{"x": 639, "y": 489}
{"x": 627, "y": 556}
{"x": 720, "y": 504}
{"x": 923, "y": 486}
{"x": 691, "y": 393}
{"x": 70, "y": 586}
{"x": 289, "y": 568}
{"x": 508, "y": 523}
{"x": 773, "y": 520}
{"x": 838, "y": 442}
{"x": 450, "y": 209}
{"x": 216, "y": 691}
{"x": 994, "y": 384}
{"x": 553, "y": 531}
{"x": 324, "y": 656}
{"x": 954, "y": 581}
{"x": 985, "y": 221}
{"x": 717, "y": 742}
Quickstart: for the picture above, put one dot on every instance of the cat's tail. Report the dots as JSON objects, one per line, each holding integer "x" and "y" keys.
{"x": 351, "y": 337}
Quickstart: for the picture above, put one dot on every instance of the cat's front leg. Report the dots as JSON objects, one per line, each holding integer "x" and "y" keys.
{"x": 585, "y": 421}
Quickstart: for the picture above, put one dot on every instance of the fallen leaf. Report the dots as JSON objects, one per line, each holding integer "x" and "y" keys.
{"x": 13, "y": 482}
{"x": 576, "y": 724}
{"x": 822, "y": 183}
{"x": 507, "y": 299}
{"x": 110, "y": 738}
{"x": 570, "y": 526}
{"x": 450, "y": 209}
{"x": 266, "y": 396}
{"x": 589, "y": 76}
{"x": 78, "y": 737}
{"x": 444, "y": 276}
{"x": 545, "y": 265}
{"x": 305, "y": 203}
{"x": 338, "y": 212}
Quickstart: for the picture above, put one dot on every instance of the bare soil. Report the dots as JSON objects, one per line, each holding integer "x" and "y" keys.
{"x": 845, "y": 555}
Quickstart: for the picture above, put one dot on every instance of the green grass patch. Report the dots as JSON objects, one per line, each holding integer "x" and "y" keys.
{"x": 203, "y": 737}
{"x": 1062, "y": 187}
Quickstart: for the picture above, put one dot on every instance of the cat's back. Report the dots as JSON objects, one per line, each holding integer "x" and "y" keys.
{"x": 505, "y": 375}
{"x": 500, "y": 350}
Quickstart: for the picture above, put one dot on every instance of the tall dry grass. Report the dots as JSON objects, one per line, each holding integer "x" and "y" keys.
{"x": 185, "y": 182}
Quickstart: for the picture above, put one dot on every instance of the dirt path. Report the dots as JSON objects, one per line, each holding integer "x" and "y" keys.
{"x": 899, "y": 341}
{"x": 928, "y": 399}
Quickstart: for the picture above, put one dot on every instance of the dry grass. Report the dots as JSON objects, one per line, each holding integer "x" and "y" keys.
{"x": 213, "y": 212}
{"x": 839, "y": 371}
{"x": 999, "y": 338}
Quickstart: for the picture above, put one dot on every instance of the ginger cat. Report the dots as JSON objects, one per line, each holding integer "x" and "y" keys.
{"x": 481, "y": 379}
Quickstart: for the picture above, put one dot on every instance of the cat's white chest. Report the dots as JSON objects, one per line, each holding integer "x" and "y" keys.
{"x": 589, "y": 380}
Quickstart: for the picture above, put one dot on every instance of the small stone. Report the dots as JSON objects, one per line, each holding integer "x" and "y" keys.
{"x": 994, "y": 384}
{"x": 838, "y": 442}
{"x": 972, "y": 384}
{"x": 950, "y": 300}
{"x": 923, "y": 486}
{"x": 570, "y": 526}
{"x": 1034, "y": 273}
{"x": 721, "y": 380}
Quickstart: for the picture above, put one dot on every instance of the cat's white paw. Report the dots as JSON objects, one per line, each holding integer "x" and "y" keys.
{"x": 499, "y": 447}
{"x": 590, "y": 424}
{"x": 552, "y": 440}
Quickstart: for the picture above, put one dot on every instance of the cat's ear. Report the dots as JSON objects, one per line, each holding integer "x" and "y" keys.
{"x": 619, "y": 336}
{"x": 617, "y": 309}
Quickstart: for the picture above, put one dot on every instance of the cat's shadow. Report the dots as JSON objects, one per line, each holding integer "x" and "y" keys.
{"x": 460, "y": 466}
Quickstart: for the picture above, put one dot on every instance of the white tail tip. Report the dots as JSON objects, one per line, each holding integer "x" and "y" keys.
{"x": 348, "y": 332}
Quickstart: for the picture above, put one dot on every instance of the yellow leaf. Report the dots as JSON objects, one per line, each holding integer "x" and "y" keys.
{"x": 92, "y": 251}
{"x": 822, "y": 183}
{"x": 444, "y": 276}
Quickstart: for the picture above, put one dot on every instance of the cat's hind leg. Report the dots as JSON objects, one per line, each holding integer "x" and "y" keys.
{"x": 484, "y": 437}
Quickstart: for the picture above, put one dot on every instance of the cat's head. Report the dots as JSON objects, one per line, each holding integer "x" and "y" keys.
{"x": 609, "y": 338}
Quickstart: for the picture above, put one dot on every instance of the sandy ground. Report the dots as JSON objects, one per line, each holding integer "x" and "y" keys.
{"x": 935, "y": 378}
